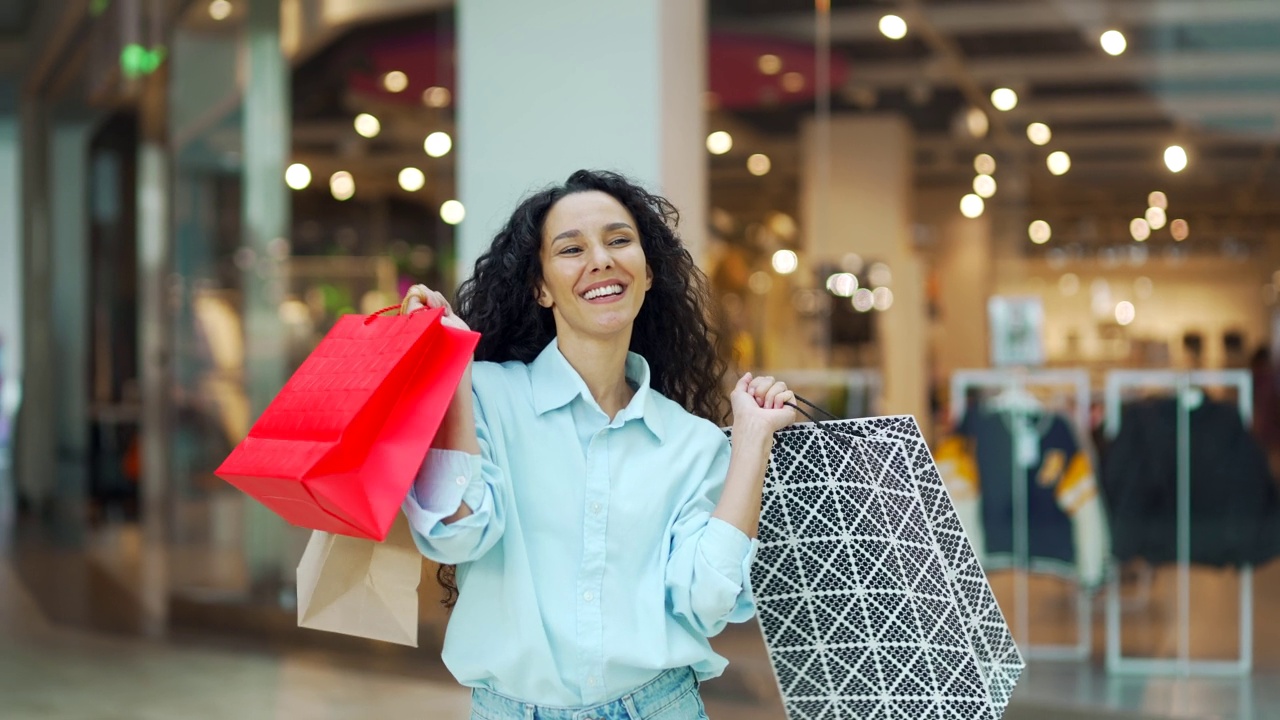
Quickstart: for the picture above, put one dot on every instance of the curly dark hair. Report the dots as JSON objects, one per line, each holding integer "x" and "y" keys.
{"x": 673, "y": 330}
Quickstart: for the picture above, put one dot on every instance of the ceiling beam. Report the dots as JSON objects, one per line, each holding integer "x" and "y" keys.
{"x": 987, "y": 18}
{"x": 1076, "y": 69}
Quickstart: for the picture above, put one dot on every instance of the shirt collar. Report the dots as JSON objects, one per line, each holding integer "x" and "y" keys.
{"x": 556, "y": 384}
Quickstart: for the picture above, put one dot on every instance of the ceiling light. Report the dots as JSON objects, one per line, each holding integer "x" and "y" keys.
{"x": 452, "y": 212}
{"x": 1180, "y": 229}
{"x": 1039, "y": 133}
{"x": 437, "y": 97}
{"x": 1139, "y": 229}
{"x": 438, "y": 144}
{"x": 1158, "y": 199}
{"x": 863, "y": 300}
{"x": 1059, "y": 162}
{"x": 412, "y": 179}
{"x": 785, "y": 262}
{"x": 367, "y": 125}
{"x": 1004, "y": 99}
{"x": 971, "y": 206}
{"x": 1156, "y": 217}
{"x": 1039, "y": 232}
{"x": 893, "y": 27}
{"x": 1175, "y": 158}
{"x": 395, "y": 81}
{"x": 341, "y": 185}
{"x": 1113, "y": 42}
{"x": 1124, "y": 312}
{"x": 297, "y": 176}
{"x": 769, "y": 64}
{"x": 984, "y": 164}
{"x": 976, "y": 122}
{"x": 984, "y": 186}
{"x": 759, "y": 164}
{"x": 719, "y": 142}
{"x": 793, "y": 82}
{"x": 219, "y": 10}
{"x": 882, "y": 298}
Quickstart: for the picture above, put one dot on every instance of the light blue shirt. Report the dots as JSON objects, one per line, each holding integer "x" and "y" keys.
{"x": 591, "y": 562}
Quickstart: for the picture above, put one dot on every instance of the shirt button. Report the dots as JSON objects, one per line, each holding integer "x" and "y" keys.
{"x": 591, "y": 681}
{"x": 461, "y": 480}
{"x": 588, "y": 596}
{"x": 595, "y": 508}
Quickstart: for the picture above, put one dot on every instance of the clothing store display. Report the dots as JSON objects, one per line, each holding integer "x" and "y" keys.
{"x": 338, "y": 447}
{"x": 590, "y": 546}
{"x": 1234, "y": 508}
{"x": 995, "y": 449}
{"x": 871, "y": 601}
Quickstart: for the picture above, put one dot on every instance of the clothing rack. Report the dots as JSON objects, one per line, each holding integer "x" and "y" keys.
{"x": 1181, "y": 383}
{"x": 1019, "y": 379}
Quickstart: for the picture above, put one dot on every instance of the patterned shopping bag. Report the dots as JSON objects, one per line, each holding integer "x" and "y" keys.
{"x": 872, "y": 603}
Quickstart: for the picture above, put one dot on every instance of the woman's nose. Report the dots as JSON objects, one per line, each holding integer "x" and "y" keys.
{"x": 600, "y": 258}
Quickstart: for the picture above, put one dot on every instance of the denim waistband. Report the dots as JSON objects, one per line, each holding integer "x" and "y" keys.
{"x": 645, "y": 701}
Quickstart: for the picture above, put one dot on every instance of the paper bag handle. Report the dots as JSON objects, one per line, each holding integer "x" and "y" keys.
{"x": 376, "y": 313}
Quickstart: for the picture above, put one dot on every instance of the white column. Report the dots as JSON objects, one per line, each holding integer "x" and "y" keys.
{"x": 265, "y": 218}
{"x": 864, "y": 206}
{"x": 35, "y": 450}
{"x": 11, "y": 289}
{"x": 549, "y": 88}
{"x": 71, "y": 310}
{"x": 963, "y": 265}
{"x": 11, "y": 285}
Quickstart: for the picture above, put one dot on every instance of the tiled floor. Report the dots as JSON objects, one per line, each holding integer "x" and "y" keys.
{"x": 95, "y": 646}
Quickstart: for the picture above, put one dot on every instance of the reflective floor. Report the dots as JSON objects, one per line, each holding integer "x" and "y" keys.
{"x": 89, "y": 631}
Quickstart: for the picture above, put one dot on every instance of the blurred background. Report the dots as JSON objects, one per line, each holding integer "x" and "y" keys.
{"x": 1046, "y": 228}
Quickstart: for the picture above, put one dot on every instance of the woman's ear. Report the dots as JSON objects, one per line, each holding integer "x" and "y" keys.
{"x": 648, "y": 277}
{"x": 541, "y": 295}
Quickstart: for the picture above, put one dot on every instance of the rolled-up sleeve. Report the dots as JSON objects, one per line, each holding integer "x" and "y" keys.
{"x": 447, "y": 479}
{"x": 709, "y": 569}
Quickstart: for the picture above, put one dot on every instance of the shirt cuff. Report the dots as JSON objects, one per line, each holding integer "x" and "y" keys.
{"x": 446, "y": 479}
{"x": 728, "y": 550}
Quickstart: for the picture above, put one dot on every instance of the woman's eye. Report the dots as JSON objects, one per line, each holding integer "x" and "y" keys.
{"x": 571, "y": 251}
{"x": 620, "y": 241}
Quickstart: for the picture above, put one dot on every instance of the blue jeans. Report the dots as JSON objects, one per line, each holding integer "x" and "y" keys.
{"x": 673, "y": 695}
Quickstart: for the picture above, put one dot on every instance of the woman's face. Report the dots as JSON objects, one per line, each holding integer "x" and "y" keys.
{"x": 594, "y": 273}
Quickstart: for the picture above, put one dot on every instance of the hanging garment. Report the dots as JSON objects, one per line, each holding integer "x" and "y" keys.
{"x": 1234, "y": 508}
{"x": 1066, "y": 524}
{"x": 871, "y": 602}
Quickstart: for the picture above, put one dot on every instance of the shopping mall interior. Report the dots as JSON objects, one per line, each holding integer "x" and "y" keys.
{"x": 1049, "y": 230}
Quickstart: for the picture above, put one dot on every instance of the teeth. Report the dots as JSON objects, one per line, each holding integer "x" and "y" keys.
{"x": 602, "y": 291}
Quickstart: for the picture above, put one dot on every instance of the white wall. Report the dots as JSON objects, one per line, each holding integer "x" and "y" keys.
{"x": 549, "y": 88}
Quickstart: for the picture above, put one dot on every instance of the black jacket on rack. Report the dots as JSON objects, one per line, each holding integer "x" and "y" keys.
{"x": 1235, "y": 508}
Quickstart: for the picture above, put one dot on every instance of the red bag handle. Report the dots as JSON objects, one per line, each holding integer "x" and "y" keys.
{"x": 376, "y": 313}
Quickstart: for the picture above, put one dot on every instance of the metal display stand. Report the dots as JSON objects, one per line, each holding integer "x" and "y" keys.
{"x": 1180, "y": 383}
{"x": 1019, "y": 379}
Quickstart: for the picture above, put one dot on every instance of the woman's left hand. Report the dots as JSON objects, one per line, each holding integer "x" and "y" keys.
{"x": 760, "y": 402}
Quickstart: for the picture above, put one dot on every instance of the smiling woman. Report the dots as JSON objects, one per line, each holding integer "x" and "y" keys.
{"x": 579, "y": 497}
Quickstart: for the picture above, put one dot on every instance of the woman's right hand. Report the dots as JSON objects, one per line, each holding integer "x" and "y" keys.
{"x": 420, "y": 297}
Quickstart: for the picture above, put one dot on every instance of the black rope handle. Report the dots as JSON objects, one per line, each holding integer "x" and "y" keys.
{"x": 841, "y": 435}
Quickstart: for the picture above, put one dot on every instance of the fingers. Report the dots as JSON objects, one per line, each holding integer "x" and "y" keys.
{"x": 773, "y": 396}
{"x": 421, "y": 296}
{"x": 743, "y": 383}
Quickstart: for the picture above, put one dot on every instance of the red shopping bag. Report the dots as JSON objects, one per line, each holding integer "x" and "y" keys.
{"x": 338, "y": 447}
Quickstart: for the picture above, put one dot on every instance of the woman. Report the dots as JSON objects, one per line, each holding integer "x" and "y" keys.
{"x": 599, "y": 522}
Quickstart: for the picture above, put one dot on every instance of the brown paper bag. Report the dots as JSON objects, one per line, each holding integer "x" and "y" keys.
{"x": 361, "y": 587}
